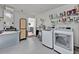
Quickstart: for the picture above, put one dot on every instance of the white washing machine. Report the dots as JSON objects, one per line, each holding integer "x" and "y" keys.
{"x": 48, "y": 38}
{"x": 63, "y": 41}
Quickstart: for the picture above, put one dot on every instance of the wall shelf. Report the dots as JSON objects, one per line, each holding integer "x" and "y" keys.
{"x": 74, "y": 17}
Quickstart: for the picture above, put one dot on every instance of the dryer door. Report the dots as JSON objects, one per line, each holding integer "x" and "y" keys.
{"x": 63, "y": 40}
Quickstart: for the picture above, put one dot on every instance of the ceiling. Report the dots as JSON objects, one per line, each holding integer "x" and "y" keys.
{"x": 34, "y": 9}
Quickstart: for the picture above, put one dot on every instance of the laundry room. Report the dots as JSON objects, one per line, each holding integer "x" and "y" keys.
{"x": 39, "y": 29}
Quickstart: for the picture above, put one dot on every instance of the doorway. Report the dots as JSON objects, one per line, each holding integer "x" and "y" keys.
{"x": 31, "y": 27}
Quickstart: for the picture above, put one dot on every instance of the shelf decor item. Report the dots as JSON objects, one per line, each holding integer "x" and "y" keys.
{"x": 77, "y": 8}
{"x": 70, "y": 15}
{"x": 42, "y": 20}
{"x": 51, "y": 16}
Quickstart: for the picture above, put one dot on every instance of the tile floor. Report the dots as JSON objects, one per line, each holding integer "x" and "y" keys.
{"x": 30, "y": 46}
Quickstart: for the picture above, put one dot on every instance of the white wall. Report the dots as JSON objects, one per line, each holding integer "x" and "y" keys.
{"x": 1, "y": 11}
{"x": 46, "y": 14}
{"x": 1, "y": 24}
{"x": 1, "y": 19}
